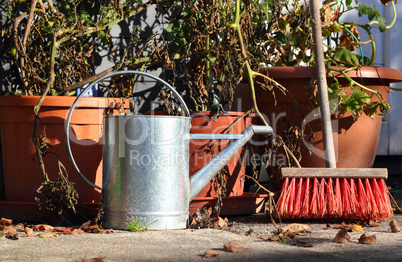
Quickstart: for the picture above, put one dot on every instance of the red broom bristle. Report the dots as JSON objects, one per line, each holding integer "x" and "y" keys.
{"x": 281, "y": 200}
{"x": 365, "y": 207}
{"x": 321, "y": 199}
{"x": 347, "y": 210}
{"x": 338, "y": 198}
{"x": 290, "y": 198}
{"x": 331, "y": 203}
{"x": 370, "y": 198}
{"x": 314, "y": 199}
{"x": 298, "y": 199}
{"x": 385, "y": 194}
{"x": 378, "y": 199}
{"x": 354, "y": 203}
{"x": 306, "y": 199}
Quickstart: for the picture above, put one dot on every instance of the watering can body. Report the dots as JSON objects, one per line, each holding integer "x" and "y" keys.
{"x": 146, "y": 165}
{"x": 146, "y": 172}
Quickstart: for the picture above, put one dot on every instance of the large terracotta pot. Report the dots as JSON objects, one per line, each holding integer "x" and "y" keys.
{"x": 355, "y": 142}
{"x": 21, "y": 171}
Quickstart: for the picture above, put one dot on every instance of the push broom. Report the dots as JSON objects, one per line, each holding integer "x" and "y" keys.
{"x": 332, "y": 193}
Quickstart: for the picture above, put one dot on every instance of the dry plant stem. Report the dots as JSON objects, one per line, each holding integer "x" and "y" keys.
{"x": 251, "y": 74}
{"x": 38, "y": 150}
{"x": 394, "y": 201}
{"x": 17, "y": 21}
{"x": 271, "y": 201}
{"x": 260, "y": 186}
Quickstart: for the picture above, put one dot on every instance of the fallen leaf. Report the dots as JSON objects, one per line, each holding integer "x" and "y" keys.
{"x": 12, "y": 235}
{"x": 48, "y": 235}
{"x": 290, "y": 234}
{"x": 221, "y": 222}
{"x": 357, "y": 228}
{"x": 301, "y": 243}
{"x": 374, "y": 223}
{"x": 366, "y": 239}
{"x": 20, "y": 227}
{"x": 28, "y": 230}
{"x": 273, "y": 238}
{"x": 96, "y": 259}
{"x": 86, "y": 225}
{"x": 77, "y": 232}
{"x": 295, "y": 227}
{"x": 43, "y": 227}
{"x": 8, "y": 229}
{"x": 5, "y": 221}
{"x": 94, "y": 229}
{"x": 394, "y": 226}
{"x": 342, "y": 236}
{"x": 64, "y": 230}
{"x": 232, "y": 246}
{"x": 210, "y": 253}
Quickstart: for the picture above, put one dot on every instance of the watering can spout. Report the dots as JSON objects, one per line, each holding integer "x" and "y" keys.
{"x": 206, "y": 173}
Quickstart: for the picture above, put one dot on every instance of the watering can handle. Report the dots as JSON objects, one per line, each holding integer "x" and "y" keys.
{"x": 67, "y": 123}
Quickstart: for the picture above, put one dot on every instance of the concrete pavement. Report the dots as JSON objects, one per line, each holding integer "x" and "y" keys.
{"x": 250, "y": 232}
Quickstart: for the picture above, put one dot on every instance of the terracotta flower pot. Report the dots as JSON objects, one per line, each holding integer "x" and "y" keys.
{"x": 202, "y": 151}
{"x": 355, "y": 142}
{"x": 21, "y": 171}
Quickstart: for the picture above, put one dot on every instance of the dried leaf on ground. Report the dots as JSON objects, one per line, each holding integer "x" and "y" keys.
{"x": 202, "y": 218}
{"x": 295, "y": 227}
{"x": 273, "y": 238}
{"x": 210, "y": 253}
{"x": 357, "y": 228}
{"x": 353, "y": 227}
{"x": 94, "y": 229}
{"x": 20, "y": 227}
{"x": 374, "y": 223}
{"x": 394, "y": 226}
{"x": 302, "y": 244}
{"x": 77, "y": 231}
{"x": 5, "y": 221}
{"x": 8, "y": 229}
{"x": 28, "y": 230}
{"x": 12, "y": 235}
{"x": 366, "y": 239}
{"x": 43, "y": 227}
{"x": 290, "y": 234}
{"x": 232, "y": 246}
{"x": 342, "y": 236}
{"x": 48, "y": 235}
{"x": 86, "y": 225}
{"x": 95, "y": 259}
{"x": 64, "y": 230}
{"x": 220, "y": 221}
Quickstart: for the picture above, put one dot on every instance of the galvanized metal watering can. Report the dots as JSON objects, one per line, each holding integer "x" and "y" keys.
{"x": 146, "y": 165}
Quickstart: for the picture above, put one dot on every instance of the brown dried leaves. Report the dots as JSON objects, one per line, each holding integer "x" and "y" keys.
{"x": 394, "y": 226}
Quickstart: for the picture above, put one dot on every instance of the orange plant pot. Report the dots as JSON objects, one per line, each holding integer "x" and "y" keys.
{"x": 21, "y": 172}
{"x": 202, "y": 151}
{"x": 355, "y": 142}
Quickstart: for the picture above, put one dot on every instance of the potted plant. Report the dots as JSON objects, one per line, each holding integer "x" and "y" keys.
{"x": 50, "y": 46}
{"x": 358, "y": 91}
{"x": 52, "y": 55}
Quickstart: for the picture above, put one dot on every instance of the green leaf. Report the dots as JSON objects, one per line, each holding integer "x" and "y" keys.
{"x": 355, "y": 102}
{"x": 381, "y": 23}
{"x": 371, "y": 13}
{"x": 346, "y": 57}
{"x": 371, "y": 110}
